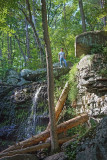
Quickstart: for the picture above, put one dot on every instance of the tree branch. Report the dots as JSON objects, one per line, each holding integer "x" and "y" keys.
{"x": 28, "y": 6}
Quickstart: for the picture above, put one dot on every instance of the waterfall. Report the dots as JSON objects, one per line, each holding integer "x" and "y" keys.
{"x": 32, "y": 119}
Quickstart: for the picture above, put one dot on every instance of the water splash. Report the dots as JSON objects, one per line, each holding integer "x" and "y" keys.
{"x": 32, "y": 119}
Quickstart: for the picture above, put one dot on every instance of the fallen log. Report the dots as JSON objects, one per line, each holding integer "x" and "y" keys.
{"x": 44, "y": 135}
{"x": 34, "y": 148}
{"x": 25, "y": 150}
{"x": 60, "y": 103}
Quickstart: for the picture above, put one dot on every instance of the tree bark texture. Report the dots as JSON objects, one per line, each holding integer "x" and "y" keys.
{"x": 44, "y": 135}
{"x": 50, "y": 78}
{"x": 82, "y": 15}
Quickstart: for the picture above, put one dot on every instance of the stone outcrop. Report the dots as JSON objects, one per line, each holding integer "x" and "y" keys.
{"x": 40, "y": 74}
{"x": 94, "y": 145}
{"x": 12, "y": 77}
{"x": 85, "y": 41}
{"x": 28, "y": 76}
{"x": 31, "y": 75}
{"x": 92, "y": 85}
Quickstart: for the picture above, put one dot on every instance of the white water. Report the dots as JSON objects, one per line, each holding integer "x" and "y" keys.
{"x": 32, "y": 119}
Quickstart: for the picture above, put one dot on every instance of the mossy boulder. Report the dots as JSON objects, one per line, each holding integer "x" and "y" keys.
{"x": 85, "y": 41}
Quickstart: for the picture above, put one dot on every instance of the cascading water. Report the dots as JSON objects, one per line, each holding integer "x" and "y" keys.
{"x": 32, "y": 119}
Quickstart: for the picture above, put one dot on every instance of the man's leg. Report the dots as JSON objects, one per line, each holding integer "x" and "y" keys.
{"x": 65, "y": 62}
{"x": 60, "y": 62}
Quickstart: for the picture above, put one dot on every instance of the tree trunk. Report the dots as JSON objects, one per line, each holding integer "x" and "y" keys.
{"x": 64, "y": 16}
{"x": 21, "y": 49}
{"x": 44, "y": 135}
{"x": 9, "y": 51}
{"x": 60, "y": 103}
{"x": 25, "y": 150}
{"x": 29, "y": 19}
{"x": 103, "y": 4}
{"x": 50, "y": 78}
{"x": 27, "y": 40}
{"x": 82, "y": 15}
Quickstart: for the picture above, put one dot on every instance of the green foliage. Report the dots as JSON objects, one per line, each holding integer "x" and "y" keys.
{"x": 96, "y": 49}
{"x": 73, "y": 83}
{"x": 99, "y": 49}
{"x": 71, "y": 150}
{"x": 92, "y": 12}
{"x": 3, "y": 68}
{"x": 83, "y": 132}
{"x": 59, "y": 85}
{"x": 64, "y": 24}
{"x": 103, "y": 72}
{"x": 105, "y": 50}
{"x": 80, "y": 130}
{"x": 20, "y": 115}
{"x": 40, "y": 129}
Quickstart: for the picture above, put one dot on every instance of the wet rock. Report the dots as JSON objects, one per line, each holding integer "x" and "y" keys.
{"x": 8, "y": 132}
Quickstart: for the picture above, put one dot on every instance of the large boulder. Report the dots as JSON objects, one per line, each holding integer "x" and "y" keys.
{"x": 94, "y": 145}
{"x": 40, "y": 74}
{"x": 12, "y": 77}
{"x": 85, "y": 41}
{"x": 23, "y": 82}
{"x": 57, "y": 65}
{"x": 31, "y": 75}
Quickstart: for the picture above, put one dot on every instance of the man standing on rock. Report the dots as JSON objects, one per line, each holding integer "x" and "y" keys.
{"x": 62, "y": 58}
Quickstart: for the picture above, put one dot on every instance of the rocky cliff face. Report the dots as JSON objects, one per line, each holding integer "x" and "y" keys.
{"x": 92, "y": 85}
{"x": 92, "y": 99}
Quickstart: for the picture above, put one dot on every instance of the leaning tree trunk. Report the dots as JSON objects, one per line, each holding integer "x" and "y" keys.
{"x": 82, "y": 15}
{"x": 60, "y": 103}
{"x": 53, "y": 133}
